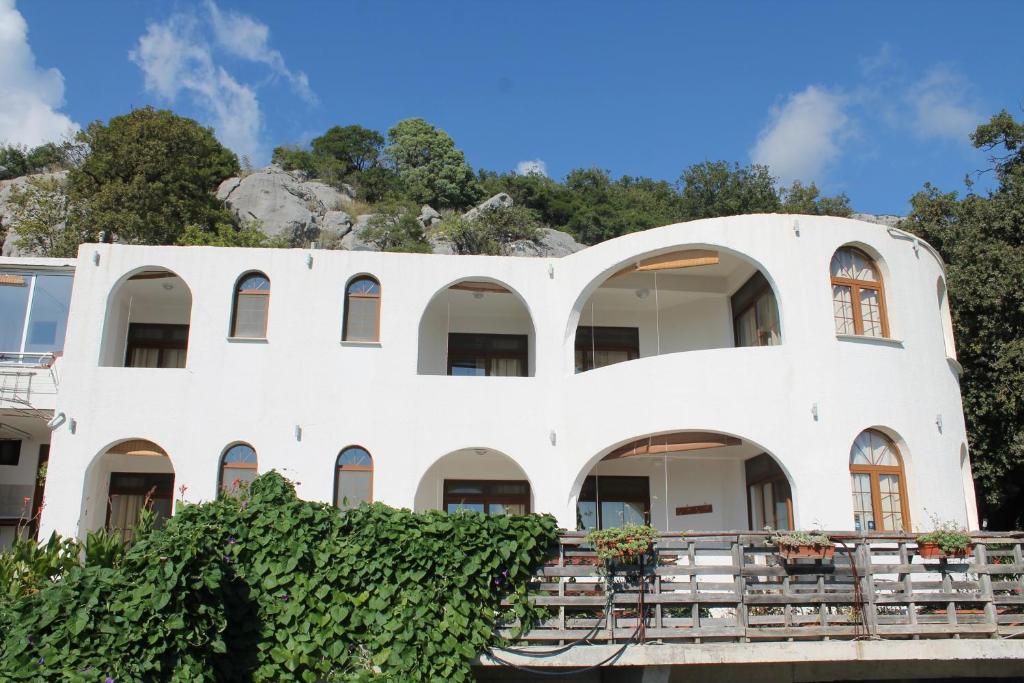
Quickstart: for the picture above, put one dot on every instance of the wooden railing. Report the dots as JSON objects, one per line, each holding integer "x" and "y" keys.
{"x": 731, "y": 586}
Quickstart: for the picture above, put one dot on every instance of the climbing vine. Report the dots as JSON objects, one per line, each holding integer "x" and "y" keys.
{"x": 268, "y": 587}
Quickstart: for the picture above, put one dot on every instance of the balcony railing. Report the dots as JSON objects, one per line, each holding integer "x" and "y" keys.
{"x": 731, "y": 586}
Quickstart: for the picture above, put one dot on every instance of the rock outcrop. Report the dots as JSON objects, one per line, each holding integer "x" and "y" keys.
{"x": 887, "y": 220}
{"x": 10, "y": 247}
{"x": 283, "y": 203}
{"x": 498, "y": 201}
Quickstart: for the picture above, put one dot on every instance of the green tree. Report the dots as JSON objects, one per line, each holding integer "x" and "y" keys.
{"x": 807, "y": 199}
{"x": 394, "y": 227}
{"x": 147, "y": 174}
{"x": 716, "y": 188}
{"x": 13, "y": 161}
{"x": 491, "y": 230}
{"x": 353, "y": 148}
{"x": 45, "y": 219}
{"x": 292, "y": 158}
{"x": 431, "y": 169}
{"x": 227, "y": 235}
{"x": 981, "y": 239}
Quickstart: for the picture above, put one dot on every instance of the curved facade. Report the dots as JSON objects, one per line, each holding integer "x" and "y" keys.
{"x": 726, "y": 435}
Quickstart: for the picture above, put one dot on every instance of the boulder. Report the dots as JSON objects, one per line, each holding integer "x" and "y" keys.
{"x": 10, "y": 247}
{"x": 500, "y": 200}
{"x": 428, "y": 216}
{"x": 552, "y": 243}
{"x": 887, "y": 220}
{"x": 353, "y": 240}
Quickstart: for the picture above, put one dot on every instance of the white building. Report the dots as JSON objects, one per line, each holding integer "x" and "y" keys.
{"x": 719, "y": 374}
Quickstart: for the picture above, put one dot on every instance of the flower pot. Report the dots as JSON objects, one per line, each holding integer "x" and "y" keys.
{"x": 806, "y": 552}
{"x": 931, "y": 551}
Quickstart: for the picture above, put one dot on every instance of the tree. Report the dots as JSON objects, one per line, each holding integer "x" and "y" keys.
{"x": 807, "y": 199}
{"x": 491, "y": 230}
{"x": 714, "y": 188}
{"x": 353, "y": 148}
{"x": 147, "y": 174}
{"x": 227, "y": 235}
{"x": 45, "y": 219}
{"x": 431, "y": 169}
{"x": 981, "y": 239}
{"x": 13, "y": 161}
{"x": 394, "y": 228}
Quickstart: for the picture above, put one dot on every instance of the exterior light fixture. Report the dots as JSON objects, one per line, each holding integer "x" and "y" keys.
{"x": 95, "y": 258}
{"x": 73, "y": 425}
{"x": 309, "y": 259}
{"x": 298, "y": 433}
{"x": 168, "y": 286}
{"x": 796, "y": 227}
{"x": 478, "y": 295}
{"x": 553, "y": 437}
{"x": 814, "y": 411}
{"x": 643, "y": 293}
{"x": 551, "y": 271}
{"x": 480, "y": 451}
{"x": 938, "y": 422}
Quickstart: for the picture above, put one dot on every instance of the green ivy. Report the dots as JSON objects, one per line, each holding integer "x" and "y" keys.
{"x": 268, "y": 587}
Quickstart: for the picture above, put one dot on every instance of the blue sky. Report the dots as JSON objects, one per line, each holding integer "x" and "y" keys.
{"x": 870, "y": 98}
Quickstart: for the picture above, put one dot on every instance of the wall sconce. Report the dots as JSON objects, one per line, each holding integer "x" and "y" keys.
{"x": 298, "y": 433}
{"x": 814, "y": 411}
{"x": 643, "y": 293}
{"x": 796, "y": 227}
{"x": 551, "y": 271}
{"x": 938, "y": 422}
{"x": 73, "y": 425}
{"x": 95, "y": 258}
{"x": 309, "y": 261}
{"x": 553, "y": 437}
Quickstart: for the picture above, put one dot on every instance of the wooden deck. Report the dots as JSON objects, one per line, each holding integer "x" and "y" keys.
{"x": 732, "y": 587}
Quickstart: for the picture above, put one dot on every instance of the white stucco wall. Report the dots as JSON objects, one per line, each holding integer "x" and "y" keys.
{"x": 371, "y": 395}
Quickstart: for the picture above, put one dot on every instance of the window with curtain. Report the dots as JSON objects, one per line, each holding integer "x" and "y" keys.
{"x": 858, "y": 297}
{"x": 353, "y": 477}
{"x": 879, "y": 493}
{"x": 362, "y": 310}
{"x": 238, "y": 467}
{"x": 252, "y": 304}
{"x": 607, "y": 502}
{"x": 130, "y": 493}
{"x": 756, "y": 313}
{"x": 487, "y": 355}
{"x": 597, "y": 347}
{"x": 492, "y": 497}
{"x": 156, "y": 346}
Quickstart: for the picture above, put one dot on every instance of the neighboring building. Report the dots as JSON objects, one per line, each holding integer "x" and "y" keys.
{"x": 731, "y": 373}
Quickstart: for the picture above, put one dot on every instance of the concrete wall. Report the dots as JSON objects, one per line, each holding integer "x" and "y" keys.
{"x": 556, "y": 424}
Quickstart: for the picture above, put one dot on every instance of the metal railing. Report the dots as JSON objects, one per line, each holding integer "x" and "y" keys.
{"x": 732, "y": 586}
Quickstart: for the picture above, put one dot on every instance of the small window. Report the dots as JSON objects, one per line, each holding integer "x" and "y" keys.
{"x": 237, "y": 469}
{"x": 609, "y": 502}
{"x": 879, "y": 493}
{"x": 490, "y": 496}
{"x": 755, "y": 313}
{"x": 353, "y": 478}
{"x": 858, "y": 297}
{"x": 362, "y": 310}
{"x": 487, "y": 355}
{"x": 153, "y": 345}
{"x": 252, "y": 303}
{"x": 597, "y": 347}
{"x": 10, "y": 451}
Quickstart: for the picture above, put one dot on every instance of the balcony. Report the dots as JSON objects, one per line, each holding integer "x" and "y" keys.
{"x": 732, "y": 588}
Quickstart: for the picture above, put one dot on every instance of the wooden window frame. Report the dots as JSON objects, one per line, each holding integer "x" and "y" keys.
{"x": 349, "y": 295}
{"x": 874, "y": 472}
{"x": 598, "y": 499}
{"x": 855, "y": 288}
{"x": 160, "y": 345}
{"x": 486, "y": 498}
{"x": 488, "y": 356}
{"x": 239, "y": 292}
{"x": 352, "y": 468}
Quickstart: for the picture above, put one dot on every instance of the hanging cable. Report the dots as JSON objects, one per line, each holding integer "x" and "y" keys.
{"x": 664, "y": 459}
{"x": 593, "y": 345}
{"x": 657, "y": 313}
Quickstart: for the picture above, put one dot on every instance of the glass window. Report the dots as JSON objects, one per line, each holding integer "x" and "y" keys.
{"x": 493, "y": 497}
{"x": 495, "y": 355}
{"x": 606, "y": 502}
{"x": 34, "y": 310}
{"x": 353, "y": 477}
{"x": 251, "y": 307}
{"x": 597, "y": 347}
{"x": 238, "y": 467}
{"x": 362, "y": 311}
{"x": 876, "y": 473}
{"x": 156, "y": 346}
{"x": 858, "y": 301}
{"x": 756, "y": 313}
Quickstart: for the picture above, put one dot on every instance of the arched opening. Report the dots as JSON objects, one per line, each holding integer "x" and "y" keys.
{"x": 476, "y": 327}
{"x": 147, "y": 321}
{"x": 353, "y": 477}
{"x": 238, "y": 468}
{"x": 685, "y": 480}
{"x": 858, "y": 293}
{"x": 126, "y": 478}
{"x": 879, "y": 483}
{"x": 477, "y": 480}
{"x": 685, "y": 299}
{"x": 946, "y": 319}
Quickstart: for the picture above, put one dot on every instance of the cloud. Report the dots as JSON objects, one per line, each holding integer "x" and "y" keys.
{"x": 880, "y": 60}
{"x": 804, "y": 136}
{"x": 938, "y": 107}
{"x": 175, "y": 59}
{"x": 532, "y": 166}
{"x": 243, "y": 37}
{"x": 29, "y": 96}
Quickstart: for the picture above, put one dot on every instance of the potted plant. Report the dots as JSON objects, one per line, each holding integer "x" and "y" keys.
{"x": 623, "y": 545}
{"x": 947, "y": 539}
{"x": 794, "y": 545}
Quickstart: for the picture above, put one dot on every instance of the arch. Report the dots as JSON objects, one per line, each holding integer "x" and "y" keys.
{"x": 476, "y": 478}
{"x": 878, "y": 483}
{"x": 695, "y": 479}
{"x": 857, "y": 279}
{"x": 250, "y": 306}
{"x": 476, "y": 326}
{"x": 945, "y": 318}
{"x": 353, "y": 477}
{"x": 125, "y": 476}
{"x": 647, "y": 305}
{"x": 361, "y": 310}
{"x": 147, "y": 320}
{"x": 238, "y": 466}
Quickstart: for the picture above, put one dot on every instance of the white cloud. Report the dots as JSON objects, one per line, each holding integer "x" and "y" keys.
{"x": 880, "y": 60}
{"x": 29, "y": 96}
{"x": 175, "y": 59}
{"x": 245, "y": 38}
{"x": 532, "y": 166}
{"x": 804, "y": 135}
{"x": 938, "y": 107}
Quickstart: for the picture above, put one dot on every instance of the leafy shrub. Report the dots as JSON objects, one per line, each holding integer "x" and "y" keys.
{"x": 491, "y": 231}
{"x": 625, "y": 543}
{"x": 394, "y": 227}
{"x": 267, "y": 587}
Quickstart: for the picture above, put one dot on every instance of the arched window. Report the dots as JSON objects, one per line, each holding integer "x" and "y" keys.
{"x": 362, "y": 310}
{"x": 237, "y": 468}
{"x": 858, "y": 298}
{"x": 252, "y": 302}
{"x": 879, "y": 492}
{"x": 353, "y": 478}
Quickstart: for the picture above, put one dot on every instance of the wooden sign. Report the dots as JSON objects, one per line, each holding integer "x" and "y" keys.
{"x": 694, "y": 510}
